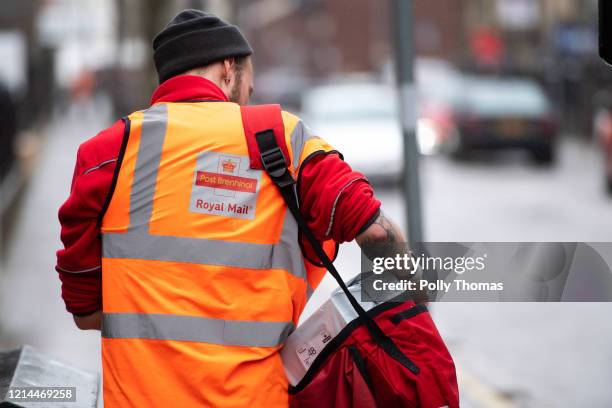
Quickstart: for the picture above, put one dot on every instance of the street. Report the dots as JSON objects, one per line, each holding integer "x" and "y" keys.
{"x": 544, "y": 355}
{"x": 516, "y": 354}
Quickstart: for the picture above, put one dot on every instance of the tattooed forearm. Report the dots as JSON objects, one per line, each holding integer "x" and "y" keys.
{"x": 387, "y": 229}
{"x": 381, "y": 239}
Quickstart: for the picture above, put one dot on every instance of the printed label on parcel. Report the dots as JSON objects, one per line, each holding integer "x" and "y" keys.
{"x": 307, "y": 352}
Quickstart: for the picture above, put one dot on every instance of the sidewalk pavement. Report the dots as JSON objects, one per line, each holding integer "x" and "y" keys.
{"x": 31, "y": 308}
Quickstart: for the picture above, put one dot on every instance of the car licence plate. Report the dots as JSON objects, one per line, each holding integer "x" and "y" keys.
{"x": 511, "y": 128}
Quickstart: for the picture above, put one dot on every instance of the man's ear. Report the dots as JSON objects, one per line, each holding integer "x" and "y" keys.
{"x": 228, "y": 64}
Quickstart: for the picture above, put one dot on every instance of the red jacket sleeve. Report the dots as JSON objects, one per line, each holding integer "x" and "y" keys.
{"x": 336, "y": 201}
{"x": 79, "y": 263}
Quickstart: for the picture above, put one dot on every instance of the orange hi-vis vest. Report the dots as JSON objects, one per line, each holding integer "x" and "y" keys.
{"x": 202, "y": 274}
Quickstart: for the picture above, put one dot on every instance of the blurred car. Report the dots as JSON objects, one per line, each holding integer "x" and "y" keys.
{"x": 439, "y": 89}
{"x": 359, "y": 118}
{"x": 602, "y": 127}
{"x": 504, "y": 113}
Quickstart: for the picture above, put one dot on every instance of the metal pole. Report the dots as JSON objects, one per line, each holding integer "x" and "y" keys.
{"x": 404, "y": 56}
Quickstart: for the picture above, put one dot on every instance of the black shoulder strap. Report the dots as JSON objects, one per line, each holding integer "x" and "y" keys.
{"x": 275, "y": 165}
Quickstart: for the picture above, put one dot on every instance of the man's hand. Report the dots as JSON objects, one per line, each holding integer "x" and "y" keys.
{"x": 89, "y": 322}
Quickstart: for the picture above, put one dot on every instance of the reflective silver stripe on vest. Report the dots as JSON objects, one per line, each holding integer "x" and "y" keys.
{"x": 138, "y": 243}
{"x": 299, "y": 136}
{"x": 190, "y": 328}
{"x": 153, "y": 133}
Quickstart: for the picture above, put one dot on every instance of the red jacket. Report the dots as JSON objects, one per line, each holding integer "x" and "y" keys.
{"x": 337, "y": 201}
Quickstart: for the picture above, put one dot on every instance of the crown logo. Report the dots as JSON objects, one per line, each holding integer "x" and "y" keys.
{"x": 228, "y": 166}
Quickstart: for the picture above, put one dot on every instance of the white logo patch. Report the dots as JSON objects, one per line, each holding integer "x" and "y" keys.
{"x": 224, "y": 185}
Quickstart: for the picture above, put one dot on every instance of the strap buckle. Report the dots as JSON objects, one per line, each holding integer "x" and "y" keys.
{"x": 273, "y": 159}
{"x": 274, "y": 162}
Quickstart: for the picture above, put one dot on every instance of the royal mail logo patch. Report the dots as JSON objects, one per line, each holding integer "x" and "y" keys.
{"x": 225, "y": 185}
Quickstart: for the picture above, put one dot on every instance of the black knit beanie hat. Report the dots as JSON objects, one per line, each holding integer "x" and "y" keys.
{"x": 194, "y": 38}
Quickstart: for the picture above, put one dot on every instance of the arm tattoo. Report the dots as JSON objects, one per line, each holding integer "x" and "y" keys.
{"x": 384, "y": 240}
{"x": 388, "y": 227}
